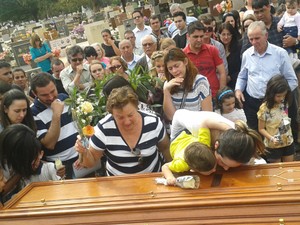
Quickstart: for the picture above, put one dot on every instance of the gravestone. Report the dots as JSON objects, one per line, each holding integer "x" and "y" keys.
{"x": 19, "y": 48}
{"x": 93, "y": 31}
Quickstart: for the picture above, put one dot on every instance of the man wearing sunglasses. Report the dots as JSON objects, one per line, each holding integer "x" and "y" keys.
{"x": 207, "y": 21}
{"x": 77, "y": 74}
{"x": 141, "y": 29}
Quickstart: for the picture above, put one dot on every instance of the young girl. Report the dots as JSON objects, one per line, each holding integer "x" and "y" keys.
{"x": 21, "y": 152}
{"x": 97, "y": 70}
{"x": 184, "y": 87}
{"x": 228, "y": 106}
{"x": 157, "y": 60}
{"x": 274, "y": 123}
{"x": 290, "y": 25}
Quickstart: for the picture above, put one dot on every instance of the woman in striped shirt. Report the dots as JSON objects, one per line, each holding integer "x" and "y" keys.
{"x": 130, "y": 139}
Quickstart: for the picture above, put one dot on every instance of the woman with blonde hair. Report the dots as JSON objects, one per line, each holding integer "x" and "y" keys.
{"x": 101, "y": 54}
{"x": 40, "y": 53}
{"x": 158, "y": 66}
{"x": 166, "y": 44}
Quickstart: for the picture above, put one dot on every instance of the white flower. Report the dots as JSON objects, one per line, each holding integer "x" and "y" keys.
{"x": 86, "y": 107}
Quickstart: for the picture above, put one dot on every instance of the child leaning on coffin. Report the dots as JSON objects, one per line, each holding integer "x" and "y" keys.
{"x": 234, "y": 143}
{"x": 193, "y": 153}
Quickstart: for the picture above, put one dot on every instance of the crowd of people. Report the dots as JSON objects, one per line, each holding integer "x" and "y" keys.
{"x": 230, "y": 98}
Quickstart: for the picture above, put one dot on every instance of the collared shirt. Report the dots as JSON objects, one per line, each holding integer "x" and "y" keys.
{"x": 67, "y": 76}
{"x": 257, "y": 70}
{"x": 132, "y": 64}
{"x": 206, "y": 61}
{"x": 64, "y": 148}
{"x": 172, "y": 29}
{"x": 274, "y": 37}
{"x": 141, "y": 33}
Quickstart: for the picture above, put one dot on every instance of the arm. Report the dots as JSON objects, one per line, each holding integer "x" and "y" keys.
{"x": 42, "y": 58}
{"x": 264, "y": 132}
{"x": 206, "y": 104}
{"x": 90, "y": 156}
{"x": 52, "y": 135}
{"x": 168, "y": 107}
{"x": 223, "y": 77}
{"x": 116, "y": 49}
{"x": 241, "y": 81}
{"x": 288, "y": 72}
{"x": 168, "y": 174}
{"x": 164, "y": 148}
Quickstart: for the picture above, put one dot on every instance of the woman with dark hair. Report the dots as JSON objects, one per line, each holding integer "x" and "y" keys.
{"x": 40, "y": 53}
{"x": 110, "y": 46}
{"x": 118, "y": 66}
{"x": 90, "y": 54}
{"x": 21, "y": 154}
{"x": 233, "y": 146}
{"x": 184, "y": 87}
{"x": 234, "y": 21}
{"x": 232, "y": 46}
{"x": 15, "y": 108}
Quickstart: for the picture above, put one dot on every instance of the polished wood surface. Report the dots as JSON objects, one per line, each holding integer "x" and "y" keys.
{"x": 245, "y": 195}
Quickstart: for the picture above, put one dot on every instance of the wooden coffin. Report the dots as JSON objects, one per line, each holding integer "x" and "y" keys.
{"x": 265, "y": 194}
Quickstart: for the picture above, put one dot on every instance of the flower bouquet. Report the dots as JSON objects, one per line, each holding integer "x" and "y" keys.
{"x": 56, "y": 52}
{"x": 224, "y": 6}
{"x": 27, "y": 58}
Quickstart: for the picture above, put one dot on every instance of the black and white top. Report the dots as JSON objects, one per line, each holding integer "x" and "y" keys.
{"x": 120, "y": 159}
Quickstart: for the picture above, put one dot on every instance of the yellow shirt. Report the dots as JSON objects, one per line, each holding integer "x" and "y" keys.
{"x": 179, "y": 144}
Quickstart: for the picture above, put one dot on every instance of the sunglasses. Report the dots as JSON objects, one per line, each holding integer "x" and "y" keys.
{"x": 137, "y": 152}
{"x": 208, "y": 29}
{"x": 77, "y": 60}
{"x": 114, "y": 68}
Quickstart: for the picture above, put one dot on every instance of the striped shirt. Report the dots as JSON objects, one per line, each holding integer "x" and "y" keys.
{"x": 200, "y": 91}
{"x": 120, "y": 159}
{"x": 64, "y": 148}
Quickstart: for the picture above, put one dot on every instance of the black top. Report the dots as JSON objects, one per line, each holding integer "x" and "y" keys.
{"x": 234, "y": 65}
{"x": 109, "y": 51}
{"x": 180, "y": 40}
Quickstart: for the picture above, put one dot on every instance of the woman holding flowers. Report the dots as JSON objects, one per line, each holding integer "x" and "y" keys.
{"x": 130, "y": 139}
{"x": 41, "y": 53}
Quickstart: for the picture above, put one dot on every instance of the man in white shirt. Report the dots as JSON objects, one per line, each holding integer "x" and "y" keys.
{"x": 76, "y": 74}
{"x": 141, "y": 29}
{"x": 127, "y": 54}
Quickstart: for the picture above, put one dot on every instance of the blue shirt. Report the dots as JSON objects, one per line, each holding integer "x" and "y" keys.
{"x": 257, "y": 70}
{"x": 38, "y": 52}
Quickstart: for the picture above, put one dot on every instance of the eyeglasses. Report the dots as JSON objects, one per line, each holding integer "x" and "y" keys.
{"x": 137, "y": 17}
{"x": 77, "y": 60}
{"x": 208, "y": 29}
{"x": 147, "y": 44}
{"x": 114, "y": 68}
{"x": 137, "y": 152}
